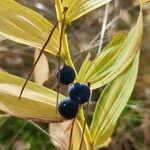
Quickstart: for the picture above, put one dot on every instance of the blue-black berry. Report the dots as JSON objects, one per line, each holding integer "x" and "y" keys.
{"x": 79, "y": 93}
{"x": 67, "y": 108}
{"x": 67, "y": 75}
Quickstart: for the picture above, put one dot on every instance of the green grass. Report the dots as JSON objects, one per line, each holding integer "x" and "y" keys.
{"x": 17, "y": 129}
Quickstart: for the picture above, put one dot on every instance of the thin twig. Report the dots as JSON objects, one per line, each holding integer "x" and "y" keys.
{"x": 109, "y": 24}
{"x": 116, "y": 18}
{"x": 86, "y": 118}
{"x": 71, "y": 133}
{"x": 103, "y": 27}
{"x": 112, "y": 21}
{"x": 59, "y": 54}
{"x": 117, "y": 7}
{"x": 41, "y": 52}
{"x": 84, "y": 125}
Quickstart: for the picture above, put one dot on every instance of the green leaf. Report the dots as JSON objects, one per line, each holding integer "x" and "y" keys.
{"x": 114, "y": 58}
{"x": 112, "y": 102}
{"x": 23, "y": 25}
{"x": 77, "y": 9}
{"x": 37, "y": 102}
{"x": 106, "y": 55}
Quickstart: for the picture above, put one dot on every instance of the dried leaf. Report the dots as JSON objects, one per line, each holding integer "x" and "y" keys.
{"x": 41, "y": 71}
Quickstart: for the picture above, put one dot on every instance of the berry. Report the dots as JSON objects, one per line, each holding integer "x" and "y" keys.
{"x": 67, "y": 75}
{"x": 67, "y": 108}
{"x": 79, "y": 93}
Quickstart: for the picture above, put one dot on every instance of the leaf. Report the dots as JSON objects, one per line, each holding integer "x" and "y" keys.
{"x": 114, "y": 58}
{"x": 84, "y": 68}
{"x": 37, "y": 102}
{"x": 23, "y": 25}
{"x": 112, "y": 102}
{"x": 77, "y": 9}
{"x": 145, "y": 1}
{"x": 105, "y": 57}
{"x": 106, "y": 144}
{"x": 41, "y": 71}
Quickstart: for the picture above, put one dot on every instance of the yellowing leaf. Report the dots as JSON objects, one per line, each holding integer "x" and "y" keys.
{"x": 145, "y": 1}
{"x": 114, "y": 58}
{"x": 23, "y": 25}
{"x": 84, "y": 68}
{"x": 37, "y": 102}
{"x": 61, "y": 132}
{"x": 111, "y": 104}
{"x": 78, "y": 8}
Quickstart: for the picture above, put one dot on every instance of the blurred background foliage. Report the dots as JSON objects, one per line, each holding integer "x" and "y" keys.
{"x": 133, "y": 128}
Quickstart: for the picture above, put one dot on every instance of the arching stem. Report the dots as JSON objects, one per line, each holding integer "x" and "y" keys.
{"x": 59, "y": 55}
{"x": 86, "y": 118}
{"x": 71, "y": 133}
{"x": 84, "y": 125}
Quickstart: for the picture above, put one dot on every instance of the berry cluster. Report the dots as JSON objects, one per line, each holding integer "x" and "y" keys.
{"x": 79, "y": 93}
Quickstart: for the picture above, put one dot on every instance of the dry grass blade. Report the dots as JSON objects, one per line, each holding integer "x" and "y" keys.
{"x": 103, "y": 27}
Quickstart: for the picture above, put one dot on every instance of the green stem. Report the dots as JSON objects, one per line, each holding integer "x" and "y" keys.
{"x": 87, "y": 135}
{"x": 68, "y": 60}
{"x": 66, "y": 56}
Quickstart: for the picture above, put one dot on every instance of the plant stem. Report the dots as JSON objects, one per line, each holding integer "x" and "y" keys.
{"x": 67, "y": 57}
{"x": 71, "y": 132}
{"x": 87, "y": 136}
{"x": 84, "y": 125}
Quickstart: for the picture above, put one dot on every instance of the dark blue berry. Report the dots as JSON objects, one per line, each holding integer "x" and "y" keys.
{"x": 67, "y": 108}
{"x": 79, "y": 93}
{"x": 67, "y": 75}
